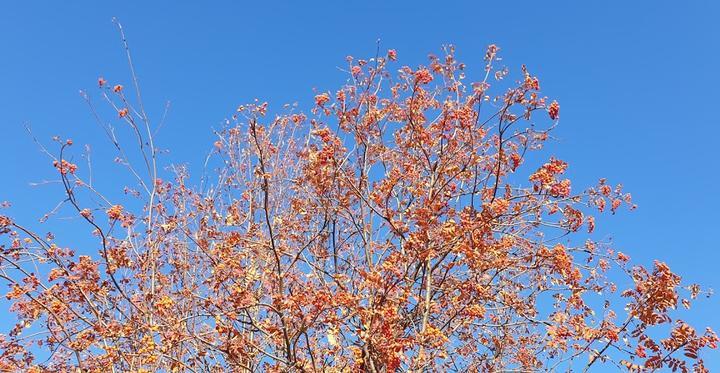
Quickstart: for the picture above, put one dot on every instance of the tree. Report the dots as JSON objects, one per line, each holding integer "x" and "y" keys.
{"x": 392, "y": 227}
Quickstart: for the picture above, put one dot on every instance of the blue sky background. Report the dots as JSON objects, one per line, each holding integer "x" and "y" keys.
{"x": 637, "y": 83}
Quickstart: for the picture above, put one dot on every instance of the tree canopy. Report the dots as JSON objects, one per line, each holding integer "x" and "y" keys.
{"x": 400, "y": 224}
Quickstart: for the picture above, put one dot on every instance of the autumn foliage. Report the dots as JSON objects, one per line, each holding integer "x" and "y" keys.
{"x": 400, "y": 224}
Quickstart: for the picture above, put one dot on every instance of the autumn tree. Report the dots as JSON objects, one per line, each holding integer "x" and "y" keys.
{"x": 393, "y": 226}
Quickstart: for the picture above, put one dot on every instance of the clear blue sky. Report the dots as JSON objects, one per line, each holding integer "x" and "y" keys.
{"x": 637, "y": 82}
